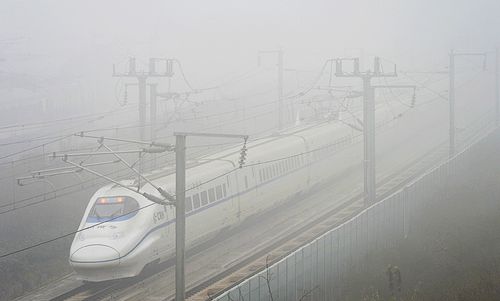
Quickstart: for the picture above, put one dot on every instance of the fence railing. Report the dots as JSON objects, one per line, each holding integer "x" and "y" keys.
{"x": 316, "y": 271}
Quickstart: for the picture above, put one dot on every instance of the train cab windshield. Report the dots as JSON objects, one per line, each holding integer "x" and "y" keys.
{"x": 116, "y": 208}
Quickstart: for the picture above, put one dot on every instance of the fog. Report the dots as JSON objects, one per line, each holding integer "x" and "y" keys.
{"x": 73, "y": 44}
{"x": 57, "y": 60}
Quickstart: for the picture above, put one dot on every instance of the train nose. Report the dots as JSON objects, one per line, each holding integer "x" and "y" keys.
{"x": 96, "y": 254}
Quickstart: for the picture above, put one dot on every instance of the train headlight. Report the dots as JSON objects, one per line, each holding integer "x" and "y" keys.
{"x": 81, "y": 236}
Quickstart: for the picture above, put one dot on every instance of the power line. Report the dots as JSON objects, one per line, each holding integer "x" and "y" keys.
{"x": 70, "y": 233}
{"x": 313, "y": 85}
{"x": 17, "y": 207}
{"x": 187, "y": 82}
{"x": 41, "y": 124}
{"x": 146, "y": 206}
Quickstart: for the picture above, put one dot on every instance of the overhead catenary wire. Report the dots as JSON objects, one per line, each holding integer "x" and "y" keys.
{"x": 314, "y": 83}
{"x": 11, "y": 253}
{"x": 16, "y": 205}
{"x": 59, "y": 138}
{"x": 246, "y": 166}
{"x": 212, "y": 115}
{"x": 187, "y": 82}
{"x": 109, "y": 220}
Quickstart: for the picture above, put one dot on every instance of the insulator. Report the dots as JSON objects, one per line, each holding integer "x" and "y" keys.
{"x": 243, "y": 153}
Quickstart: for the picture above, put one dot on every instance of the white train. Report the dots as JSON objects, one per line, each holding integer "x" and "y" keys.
{"x": 277, "y": 168}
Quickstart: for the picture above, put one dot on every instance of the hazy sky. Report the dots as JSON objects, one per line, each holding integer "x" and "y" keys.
{"x": 61, "y": 38}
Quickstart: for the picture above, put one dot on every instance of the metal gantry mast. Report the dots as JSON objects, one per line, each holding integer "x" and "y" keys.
{"x": 180, "y": 213}
{"x": 368, "y": 119}
{"x": 280, "y": 66}
{"x": 451, "y": 97}
{"x": 142, "y": 77}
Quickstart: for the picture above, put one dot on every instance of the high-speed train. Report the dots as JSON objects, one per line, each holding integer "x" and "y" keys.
{"x": 277, "y": 168}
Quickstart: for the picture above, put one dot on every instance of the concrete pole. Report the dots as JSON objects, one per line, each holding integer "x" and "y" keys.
{"x": 451, "y": 100}
{"x": 142, "y": 107}
{"x": 280, "y": 89}
{"x": 153, "y": 109}
{"x": 497, "y": 92}
{"x": 369, "y": 141}
{"x": 152, "y": 116}
{"x": 180, "y": 217}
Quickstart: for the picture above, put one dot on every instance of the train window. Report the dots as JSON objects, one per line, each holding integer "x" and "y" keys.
{"x": 286, "y": 165}
{"x": 246, "y": 182}
{"x": 218, "y": 192}
{"x": 196, "y": 201}
{"x": 260, "y": 175}
{"x": 189, "y": 205}
{"x": 224, "y": 189}
{"x": 204, "y": 198}
{"x": 211, "y": 195}
{"x": 113, "y": 207}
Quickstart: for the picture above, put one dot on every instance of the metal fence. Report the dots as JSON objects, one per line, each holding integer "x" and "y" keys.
{"x": 316, "y": 271}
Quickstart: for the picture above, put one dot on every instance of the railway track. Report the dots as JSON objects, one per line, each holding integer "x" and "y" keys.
{"x": 255, "y": 262}
{"x": 307, "y": 233}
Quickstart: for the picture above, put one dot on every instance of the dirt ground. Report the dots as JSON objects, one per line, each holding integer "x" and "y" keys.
{"x": 453, "y": 253}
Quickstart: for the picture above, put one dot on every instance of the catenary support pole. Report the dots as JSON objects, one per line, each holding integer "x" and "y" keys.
{"x": 142, "y": 107}
{"x": 180, "y": 214}
{"x": 451, "y": 100}
{"x": 142, "y": 78}
{"x": 369, "y": 166}
{"x": 280, "y": 89}
{"x": 497, "y": 91}
{"x": 367, "y": 140}
{"x": 180, "y": 217}
{"x": 152, "y": 117}
{"x": 451, "y": 93}
{"x": 281, "y": 69}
